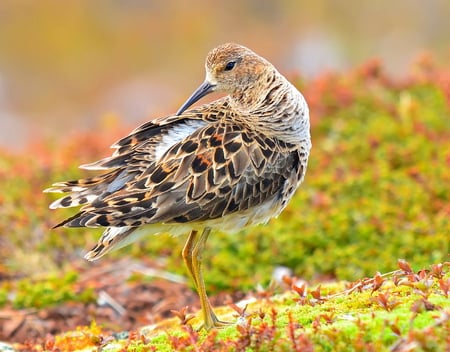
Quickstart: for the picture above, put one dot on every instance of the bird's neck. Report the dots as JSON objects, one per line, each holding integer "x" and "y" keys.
{"x": 274, "y": 107}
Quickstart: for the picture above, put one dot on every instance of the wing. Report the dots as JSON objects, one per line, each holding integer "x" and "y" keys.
{"x": 132, "y": 156}
{"x": 217, "y": 170}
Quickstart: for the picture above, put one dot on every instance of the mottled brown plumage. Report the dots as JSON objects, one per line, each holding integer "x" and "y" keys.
{"x": 231, "y": 163}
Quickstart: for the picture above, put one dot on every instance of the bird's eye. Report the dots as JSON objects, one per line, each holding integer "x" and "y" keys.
{"x": 230, "y": 66}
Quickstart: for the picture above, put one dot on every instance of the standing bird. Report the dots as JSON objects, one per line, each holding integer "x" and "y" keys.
{"x": 224, "y": 165}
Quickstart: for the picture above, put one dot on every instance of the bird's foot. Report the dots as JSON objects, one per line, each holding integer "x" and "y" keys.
{"x": 214, "y": 323}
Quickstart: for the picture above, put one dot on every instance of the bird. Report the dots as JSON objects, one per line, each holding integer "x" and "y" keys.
{"x": 224, "y": 165}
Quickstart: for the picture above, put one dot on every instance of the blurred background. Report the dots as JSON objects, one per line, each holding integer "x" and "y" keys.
{"x": 65, "y": 65}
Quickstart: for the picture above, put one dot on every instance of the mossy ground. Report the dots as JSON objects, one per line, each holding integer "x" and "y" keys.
{"x": 403, "y": 311}
{"x": 377, "y": 189}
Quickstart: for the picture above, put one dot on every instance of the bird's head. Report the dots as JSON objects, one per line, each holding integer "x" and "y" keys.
{"x": 230, "y": 68}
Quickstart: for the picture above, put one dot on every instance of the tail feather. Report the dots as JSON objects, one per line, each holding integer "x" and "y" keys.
{"x": 86, "y": 191}
{"x": 73, "y": 200}
{"x": 112, "y": 238}
{"x": 77, "y": 185}
{"x": 117, "y": 237}
{"x": 64, "y": 222}
{"x": 109, "y": 163}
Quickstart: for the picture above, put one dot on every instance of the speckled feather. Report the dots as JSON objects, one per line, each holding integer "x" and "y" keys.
{"x": 234, "y": 162}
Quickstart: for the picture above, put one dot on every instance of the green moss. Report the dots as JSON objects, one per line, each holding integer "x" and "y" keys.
{"x": 3, "y": 297}
{"x": 46, "y": 292}
{"x": 346, "y": 322}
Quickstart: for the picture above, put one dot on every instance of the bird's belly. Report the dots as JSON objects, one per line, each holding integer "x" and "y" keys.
{"x": 229, "y": 223}
{"x": 234, "y": 222}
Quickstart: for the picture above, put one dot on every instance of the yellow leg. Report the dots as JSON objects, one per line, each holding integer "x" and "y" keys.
{"x": 192, "y": 255}
{"x": 187, "y": 255}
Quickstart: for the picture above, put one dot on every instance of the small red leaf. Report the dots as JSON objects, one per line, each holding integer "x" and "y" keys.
{"x": 404, "y": 265}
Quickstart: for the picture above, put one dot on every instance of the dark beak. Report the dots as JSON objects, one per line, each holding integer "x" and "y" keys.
{"x": 201, "y": 91}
